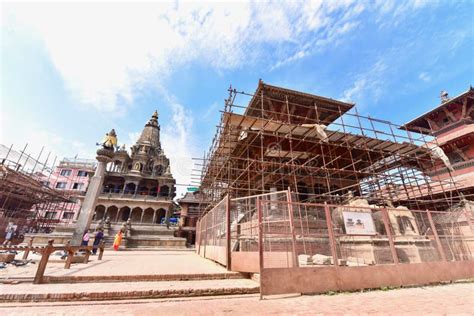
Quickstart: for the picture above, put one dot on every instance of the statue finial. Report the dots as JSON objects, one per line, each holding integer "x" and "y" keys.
{"x": 110, "y": 140}
{"x": 155, "y": 115}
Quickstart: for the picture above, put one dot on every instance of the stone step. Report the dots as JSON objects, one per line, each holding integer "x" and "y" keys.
{"x": 130, "y": 278}
{"x": 145, "y": 277}
{"x": 24, "y": 292}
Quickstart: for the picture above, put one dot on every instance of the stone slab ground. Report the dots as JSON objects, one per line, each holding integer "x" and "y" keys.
{"x": 452, "y": 299}
{"x": 120, "y": 263}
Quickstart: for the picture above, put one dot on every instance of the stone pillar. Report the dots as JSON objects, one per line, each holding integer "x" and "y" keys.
{"x": 78, "y": 211}
{"x": 92, "y": 195}
{"x": 154, "y": 216}
{"x": 167, "y": 217}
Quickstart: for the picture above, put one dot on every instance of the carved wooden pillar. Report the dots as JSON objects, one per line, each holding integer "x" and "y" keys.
{"x": 143, "y": 213}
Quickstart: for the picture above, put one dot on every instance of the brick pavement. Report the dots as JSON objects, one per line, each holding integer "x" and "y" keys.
{"x": 452, "y": 299}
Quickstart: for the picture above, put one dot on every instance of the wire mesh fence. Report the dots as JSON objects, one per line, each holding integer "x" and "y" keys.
{"x": 286, "y": 234}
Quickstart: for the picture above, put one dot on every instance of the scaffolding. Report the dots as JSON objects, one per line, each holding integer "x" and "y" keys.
{"x": 324, "y": 150}
{"x": 295, "y": 184}
{"x": 27, "y": 192}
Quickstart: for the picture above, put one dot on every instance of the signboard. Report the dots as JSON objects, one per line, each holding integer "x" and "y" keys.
{"x": 358, "y": 223}
{"x": 192, "y": 189}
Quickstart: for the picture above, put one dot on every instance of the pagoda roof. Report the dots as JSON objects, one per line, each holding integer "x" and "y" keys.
{"x": 328, "y": 110}
{"x": 189, "y": 197}
{"x": 414, "y": 123}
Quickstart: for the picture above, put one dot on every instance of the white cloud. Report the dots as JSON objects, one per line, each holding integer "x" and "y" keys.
{"x": 424, "y": 77}
{"x": 367, "y": 84}
{"x": 105, "y": 51}
{"x": 177, "y": 141}
{"x": 391, "y": 12}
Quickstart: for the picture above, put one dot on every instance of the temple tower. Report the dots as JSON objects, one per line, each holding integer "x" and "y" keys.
{"x": 139, "y": 188}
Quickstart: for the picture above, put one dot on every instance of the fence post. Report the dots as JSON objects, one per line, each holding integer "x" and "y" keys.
{"x": 332, "y": 239}
{"x": 43, "y": 262}
{"x": 388, "y": 229}
{"x": 70, "y": 255}
{"x": 435, "y": 233}
{"x": 292, "y": 227}
{"x": 87, "y": 254}
{"x": 101, "y": 249}
{"x": 228, "y": 241}
{"x": 27, "y": 250}
{"x": 260, "y": 241}
{"x": 205, "y": 236}
{"x": 198, "y": 236}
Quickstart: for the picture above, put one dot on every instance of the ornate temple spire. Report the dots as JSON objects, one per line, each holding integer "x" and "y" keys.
{"x": 153, "y": 120}
{"x": 151, "y": 133}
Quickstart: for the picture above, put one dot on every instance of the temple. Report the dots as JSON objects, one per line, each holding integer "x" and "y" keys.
{"x": 452, "y": 125}
{"x": 138, "y": 186}
{"x": 136, "y": 195}
{"x": 301, "y": 180}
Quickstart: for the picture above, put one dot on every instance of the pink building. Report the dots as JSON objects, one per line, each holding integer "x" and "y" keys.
{"x": 72, "y": 175}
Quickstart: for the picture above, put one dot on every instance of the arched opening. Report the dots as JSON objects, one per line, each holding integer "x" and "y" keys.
{"x": 154, "y": 191}
{"x": 143, "y": 190}
{"x": 148, "y": 215}
{"x": 130, "y": 188}
{"x": 117, "y": 166}
{"x": 136, "y": 216}
{"x": 113, "y": 184}
{"x": 124, "y": 213}
{"x": 112, "y": 213}
{"x": 160, "y": 215}
{"x": 164, "y": 190}
{"x": 99, "y": 212}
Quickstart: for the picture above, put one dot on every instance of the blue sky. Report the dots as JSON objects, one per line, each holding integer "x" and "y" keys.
{"x": 71, "y": 72}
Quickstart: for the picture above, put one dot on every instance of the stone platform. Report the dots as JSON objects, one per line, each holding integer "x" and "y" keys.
{"x": 141, "y": 236}
{"x": 124, "y": 275}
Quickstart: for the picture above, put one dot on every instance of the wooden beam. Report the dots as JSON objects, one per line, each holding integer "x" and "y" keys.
{"x": 449, "y": 115}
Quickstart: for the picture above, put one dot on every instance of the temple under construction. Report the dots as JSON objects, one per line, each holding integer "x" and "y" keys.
{"x": 298, "y": 180}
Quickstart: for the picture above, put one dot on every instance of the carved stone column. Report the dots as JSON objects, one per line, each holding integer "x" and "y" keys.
{"x": 95, "y": 186}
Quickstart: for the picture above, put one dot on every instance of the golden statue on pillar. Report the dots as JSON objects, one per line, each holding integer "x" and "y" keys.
{"x": 110, "y": 140}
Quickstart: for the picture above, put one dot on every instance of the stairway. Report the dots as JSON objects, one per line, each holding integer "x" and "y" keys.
{"x": 135, "y": 287}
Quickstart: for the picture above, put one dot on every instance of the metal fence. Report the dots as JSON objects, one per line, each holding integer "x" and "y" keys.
{"x": 272, "y": 231}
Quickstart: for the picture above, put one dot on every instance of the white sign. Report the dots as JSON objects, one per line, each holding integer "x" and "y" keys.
{"x": 358, "y": 223}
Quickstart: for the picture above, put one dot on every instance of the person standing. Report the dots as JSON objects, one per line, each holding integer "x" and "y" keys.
{"x": 117, "y": 240}
{"x": 85, "y": 238}
{"x": 9, "y": 235}
{"x": 98, "y": 238}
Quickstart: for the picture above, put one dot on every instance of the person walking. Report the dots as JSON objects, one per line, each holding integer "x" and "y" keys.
{"x": 98, "y": 238}
{"x": 118, "y": 240}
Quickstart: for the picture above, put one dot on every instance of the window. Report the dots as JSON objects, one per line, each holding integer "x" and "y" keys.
{"x": 82, "y": 173}
{"x": 61, "y": 185}
{"x": 68, "y": 215}
{"x": 78, "y": 186}
{"x": 66, "y": 172}
{"x": 45, "y": 183}
{"x": 50, "y": 215}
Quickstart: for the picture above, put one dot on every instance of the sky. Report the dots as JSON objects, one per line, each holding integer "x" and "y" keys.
{"x": 70, "y": 72}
